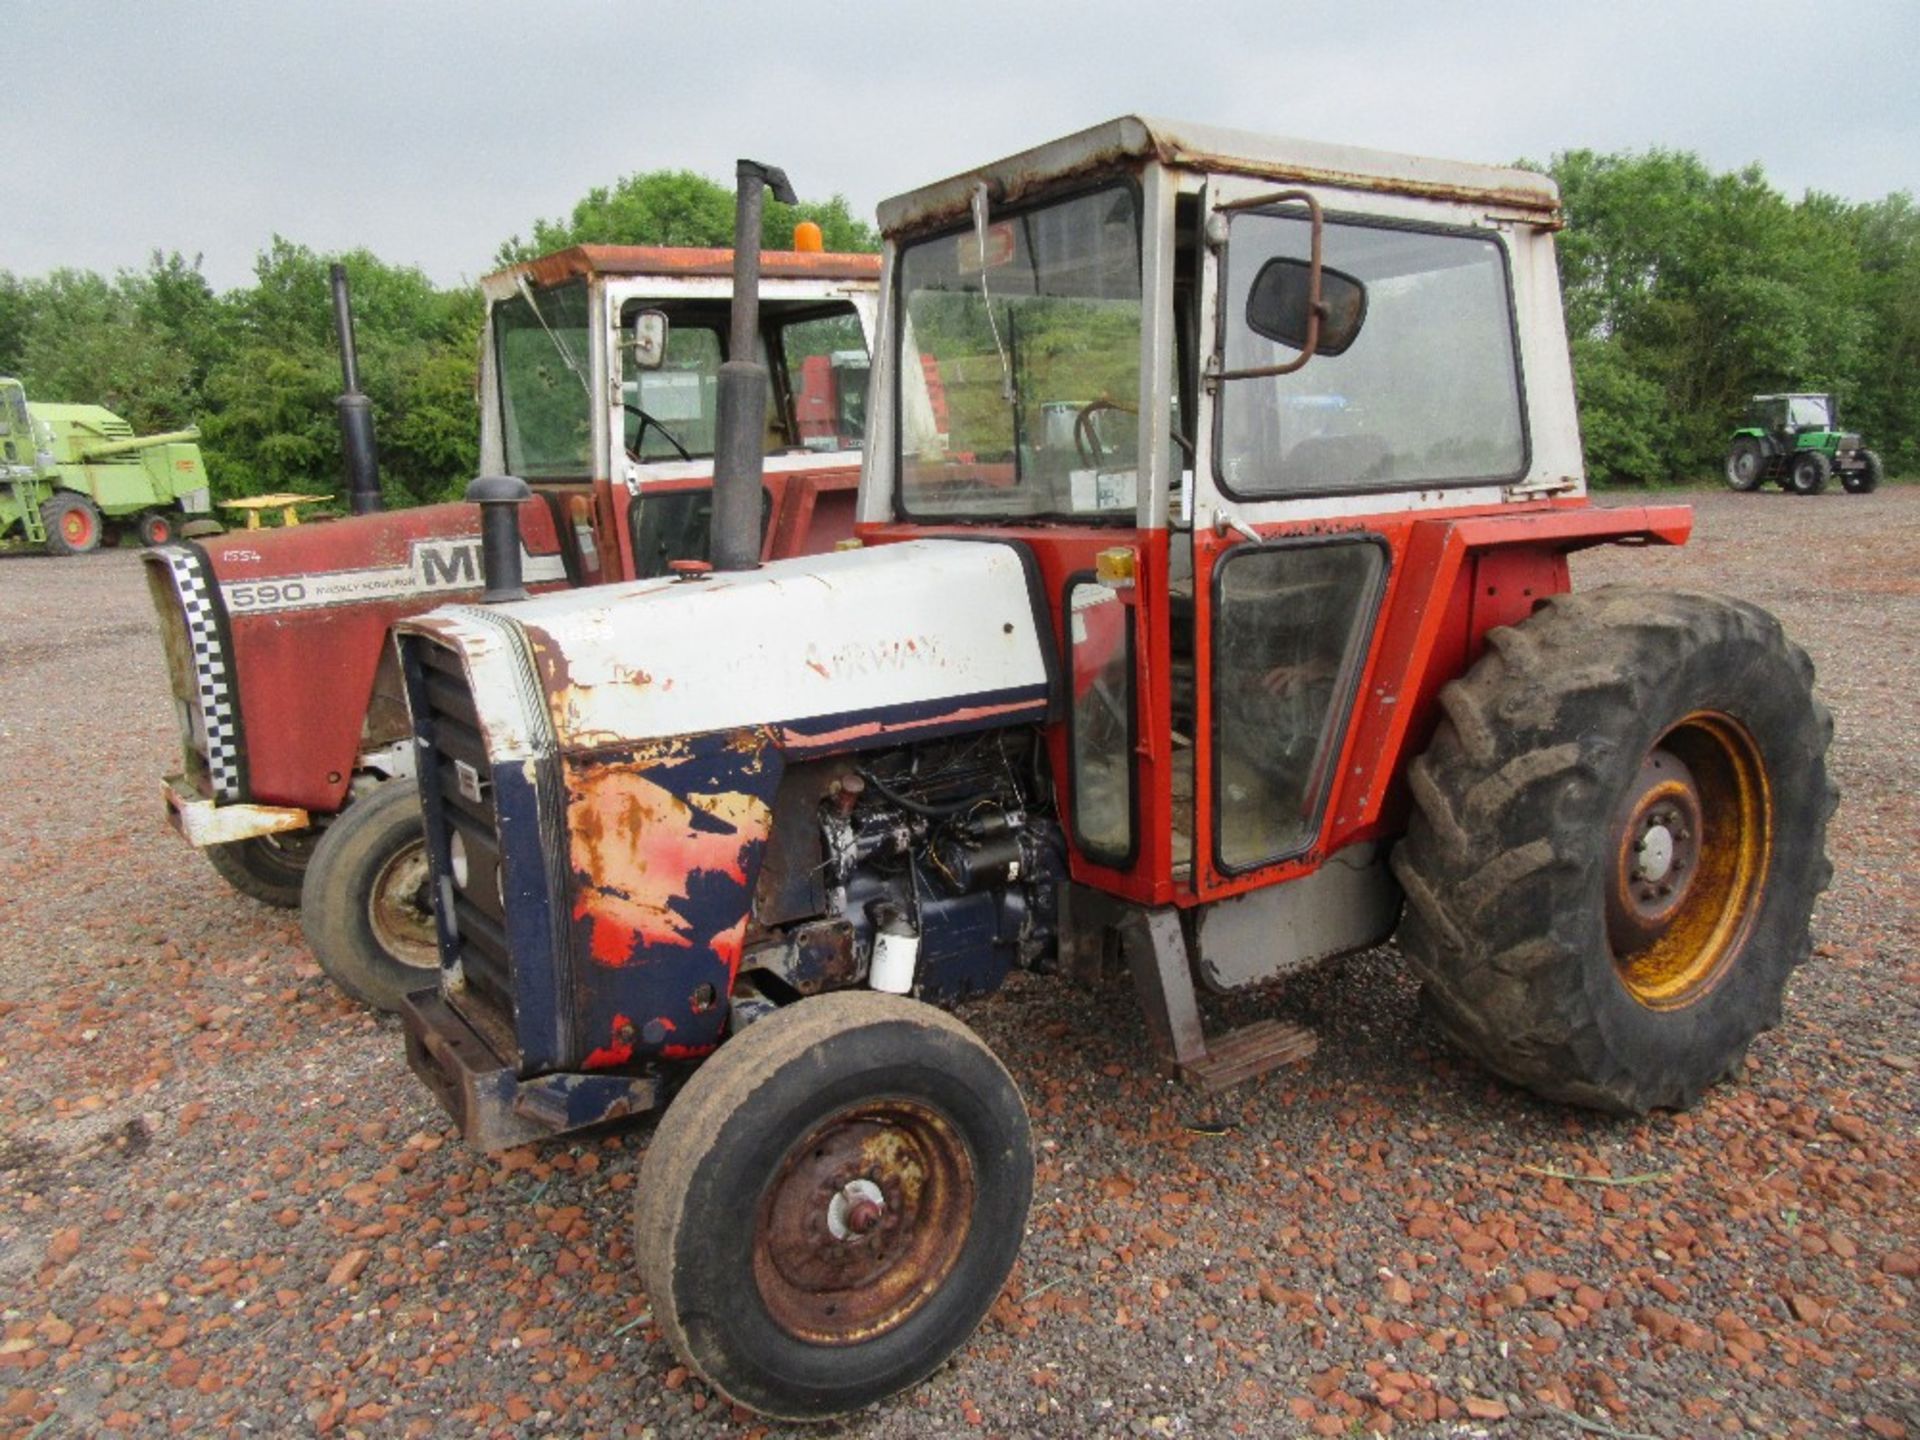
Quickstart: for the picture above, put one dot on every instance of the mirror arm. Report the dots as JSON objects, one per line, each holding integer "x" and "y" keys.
{"x": 1316, "y": 307}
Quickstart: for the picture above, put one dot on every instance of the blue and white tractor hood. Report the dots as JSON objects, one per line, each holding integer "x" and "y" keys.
{"x": 831, "y": 652}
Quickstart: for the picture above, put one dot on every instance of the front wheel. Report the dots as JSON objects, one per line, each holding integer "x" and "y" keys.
{"x": 268, "y": 868}
{"x": 1618, "y": 835}
{"x": 1867, "y": 478}
{"x": 1808, "y": 474}
{"x": 1746, "y": 464}
{"x": 73, "y": 522}
{"x": 366, "y": 906}
{"x": 833, "y": 1202}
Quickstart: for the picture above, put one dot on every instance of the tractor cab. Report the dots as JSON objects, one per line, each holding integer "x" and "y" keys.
{"x": 599, "y": 380}
{"x": 1225, "y": 391}
{"x": 1791, "y": 415}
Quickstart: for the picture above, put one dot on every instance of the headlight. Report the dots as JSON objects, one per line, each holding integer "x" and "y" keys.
{"x": 457, "y": 859}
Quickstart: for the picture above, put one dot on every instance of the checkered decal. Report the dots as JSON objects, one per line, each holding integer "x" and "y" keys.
{"x": 212, "y": 684}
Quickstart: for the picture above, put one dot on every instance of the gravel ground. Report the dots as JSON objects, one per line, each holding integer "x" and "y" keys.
{"x": 227, "y": 1209}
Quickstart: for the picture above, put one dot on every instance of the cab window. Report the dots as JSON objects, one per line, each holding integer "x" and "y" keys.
{"x": 1427, "y": 392}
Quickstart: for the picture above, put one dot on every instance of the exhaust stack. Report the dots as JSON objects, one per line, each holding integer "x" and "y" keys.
{"x": 499, "y": 498}
{"x": 356, "y": 410}
{"x": 733, "y": 541}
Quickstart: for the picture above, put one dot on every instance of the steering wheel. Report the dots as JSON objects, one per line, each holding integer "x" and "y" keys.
{"x": 640, "y": 435}
{"x": 1087, "y": 444}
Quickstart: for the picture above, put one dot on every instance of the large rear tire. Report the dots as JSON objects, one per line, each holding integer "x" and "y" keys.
{"x": 1867, "y": 478}
{"x": 1746, "y": 464}
{"x": 1618, "y": 835}
{"x": 366, "y": 906}
{"x": 833, "y": 1202}
{"x": 267, "y": 868}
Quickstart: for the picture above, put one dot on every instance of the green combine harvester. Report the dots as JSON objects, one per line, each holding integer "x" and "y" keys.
{"x": 1796, "y": 441}
{"x": 72, "y": 475}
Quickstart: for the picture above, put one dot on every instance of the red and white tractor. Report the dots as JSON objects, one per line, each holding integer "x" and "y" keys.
{"x": 598, "y": 376}
{"x": 1265, "y": 656}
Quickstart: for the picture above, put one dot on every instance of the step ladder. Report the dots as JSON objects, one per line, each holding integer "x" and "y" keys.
{"x": 26, "y": 488}
{"x": 1153, "y": 945}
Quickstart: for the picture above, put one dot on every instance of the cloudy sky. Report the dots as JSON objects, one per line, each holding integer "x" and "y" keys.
{"x": 430, "y": 131}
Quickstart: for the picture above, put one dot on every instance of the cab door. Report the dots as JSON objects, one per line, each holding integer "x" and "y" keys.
{"x": 1315, "y": 470}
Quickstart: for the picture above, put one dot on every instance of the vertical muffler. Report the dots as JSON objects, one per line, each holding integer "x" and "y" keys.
{"x": 734, "y": 536}
{"x": 356, "y": 410}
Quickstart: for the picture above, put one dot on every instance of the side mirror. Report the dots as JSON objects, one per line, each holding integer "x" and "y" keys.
{"x": 1280, "y": 307}
{"x": 648, "y": 342}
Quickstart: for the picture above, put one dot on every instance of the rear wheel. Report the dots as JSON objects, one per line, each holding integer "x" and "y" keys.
{"x": 1808, "y": 473}
{"x": 1867, "y": 478}
{"x": 267, "y": 868}
{"x": 833, "y": 1202}
{"x": 73, "y": 524}
{"x": 1746, "y": 463}
{"x": 156, "y": 528}
{"x": 367, "y": 906}
{"x": 1618, "y": 836}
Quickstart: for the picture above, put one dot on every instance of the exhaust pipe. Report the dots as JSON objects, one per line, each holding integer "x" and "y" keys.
{"x": 733, "y": 540}
{"x": 356, "y": 410}
{"x": 499, "y": 497}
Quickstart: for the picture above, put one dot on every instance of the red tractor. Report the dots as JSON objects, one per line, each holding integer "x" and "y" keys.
{"x": 597, "y": 382}
{"x": 1265, "y": 657}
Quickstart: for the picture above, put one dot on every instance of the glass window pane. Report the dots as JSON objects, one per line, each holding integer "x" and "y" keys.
{"x": 1427, "y": 393}
{"x": 1100, "y": 629}
{"x": 546, "y": 420}
{"x": 1029, "y": 351}
{"x": 826, "y": 359}
{"x": 1289, "y": 637}
{"x": 677, "y": 401}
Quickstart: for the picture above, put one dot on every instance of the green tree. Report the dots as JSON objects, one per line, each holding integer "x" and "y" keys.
{"x": 16, "y": 319}
{"x": 678, "y": 207}
{"x": 86, "y": 343}
{"x": 1687, "y": 291}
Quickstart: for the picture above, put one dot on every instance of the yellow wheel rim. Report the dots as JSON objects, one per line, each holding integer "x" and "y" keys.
{"x": 1689, "y": 857}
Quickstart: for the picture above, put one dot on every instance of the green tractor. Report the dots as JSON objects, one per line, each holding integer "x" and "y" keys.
{"x": 1796, "y": 441}
{"x": 72, "y": 475}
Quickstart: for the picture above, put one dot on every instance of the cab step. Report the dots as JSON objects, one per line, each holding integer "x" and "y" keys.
{"x": 1154, "y": 943}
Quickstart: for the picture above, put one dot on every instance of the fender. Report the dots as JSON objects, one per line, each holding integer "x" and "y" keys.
{"x": 1494, "y": 570}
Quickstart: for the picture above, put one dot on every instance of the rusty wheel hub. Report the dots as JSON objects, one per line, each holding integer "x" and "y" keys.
{"x": 1656, "y": 852}
{"x": 863, "y": 1222}
{"x": 1689, "y": 852}
{"x": 400, "y": 910}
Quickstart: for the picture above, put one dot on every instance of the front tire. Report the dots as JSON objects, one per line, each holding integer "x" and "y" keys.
{"x": 366, "y": 907}
{"x": 73, "y": 522}
{"x": 1618, "y": 836}
{"x": 1808, "y": 473}
{"x": 1867, "y": 478}
{"x": 831, "y": 1205}
{"x": 1746, "y": 464}
{"x": 267, "y": 868}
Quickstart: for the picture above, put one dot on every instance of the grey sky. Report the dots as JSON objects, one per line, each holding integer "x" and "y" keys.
{"x": 429, "y": 132}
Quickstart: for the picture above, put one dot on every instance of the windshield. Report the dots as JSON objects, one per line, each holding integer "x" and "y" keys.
{"x": 1427, "y": 393}
{"x": 1807, "y": 411}
{"x": 1030, "y": 349}
{"x": 540, "y": 346}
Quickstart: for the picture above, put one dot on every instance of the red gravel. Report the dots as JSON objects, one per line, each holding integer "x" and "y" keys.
{"x": 227, "y": 1209}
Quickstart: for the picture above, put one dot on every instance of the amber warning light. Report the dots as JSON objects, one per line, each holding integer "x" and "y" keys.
{"x": 807, "y": 238}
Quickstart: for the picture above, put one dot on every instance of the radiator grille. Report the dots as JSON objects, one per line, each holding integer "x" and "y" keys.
{"x": 462, "y": 789}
